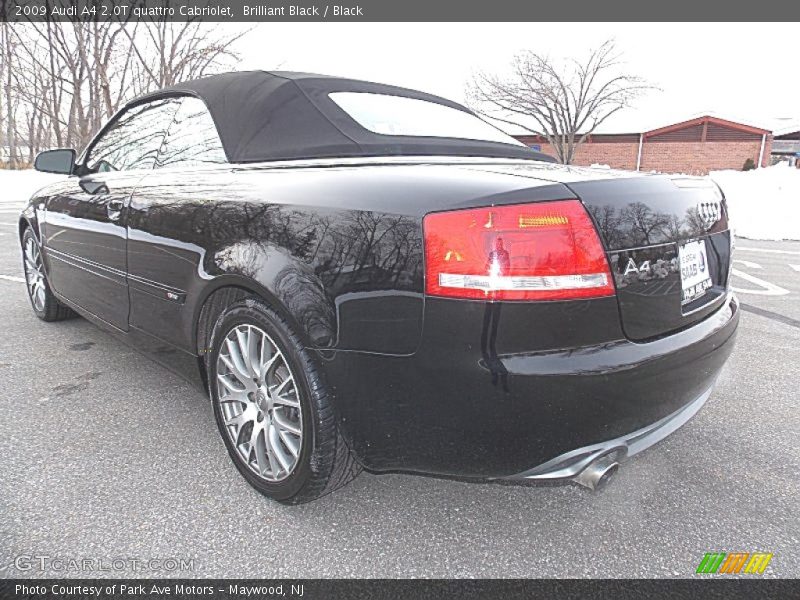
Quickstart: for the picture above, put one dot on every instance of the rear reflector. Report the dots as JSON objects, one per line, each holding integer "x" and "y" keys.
{"x": 541, "y": 251}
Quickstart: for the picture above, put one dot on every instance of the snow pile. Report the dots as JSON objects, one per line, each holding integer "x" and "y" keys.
{"x": 764, "y": 204}
{"x": 16, "y": 187}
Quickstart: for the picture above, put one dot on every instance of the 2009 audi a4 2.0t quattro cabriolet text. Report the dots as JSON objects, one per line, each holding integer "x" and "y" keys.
{"x": 365, "y": 276}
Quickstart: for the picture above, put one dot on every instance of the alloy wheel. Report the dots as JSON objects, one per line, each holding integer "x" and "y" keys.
{"x": 259, "y": 402}
{"x": 34, "y": 274}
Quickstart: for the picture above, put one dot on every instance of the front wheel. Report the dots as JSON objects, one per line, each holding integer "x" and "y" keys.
{"x": 44, "y": 303}
{"x": 273, "y": 407}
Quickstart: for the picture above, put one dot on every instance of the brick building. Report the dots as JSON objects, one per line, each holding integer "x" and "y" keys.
{"x": 693, "y": 147}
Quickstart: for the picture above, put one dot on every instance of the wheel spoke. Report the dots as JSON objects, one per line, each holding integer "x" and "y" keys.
{"x": 242, "y": 339}
{"x": 253, "y": 355}
{"x": 273, "y": 460}
{"x": 265, "y": 367}
{"x": 268, "y": 357}
{"x": 234, "y": 398}
{"x": 229, "y": 386}
{"x": 244, "y": 417}
{"x": 236, "y": 359}
{"x": 279, "y": 388}
{"x": 291, "y": 443}
{"x": 37, "y": 294}
{"x": 262, "y": 360}
{"x": 286, "y": 401}
{"x": 235, "y": 370}
{"x": 257, "y": 447}
{"x": 285, "y": 424}
{"x": 277, "y": 448}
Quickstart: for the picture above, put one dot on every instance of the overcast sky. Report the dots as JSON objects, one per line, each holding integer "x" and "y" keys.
{"x": 744, "y": 72}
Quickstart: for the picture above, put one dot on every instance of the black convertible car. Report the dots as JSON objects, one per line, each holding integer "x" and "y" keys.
{"x": 365, "y": 276}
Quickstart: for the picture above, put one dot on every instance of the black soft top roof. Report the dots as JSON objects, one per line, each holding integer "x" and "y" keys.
{"x": 262, "y": 116}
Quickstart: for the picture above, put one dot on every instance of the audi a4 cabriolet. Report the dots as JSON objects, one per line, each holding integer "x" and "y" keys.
{"x": 368, "y": 277}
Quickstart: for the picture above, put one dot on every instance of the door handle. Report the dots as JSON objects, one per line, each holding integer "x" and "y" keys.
{"x": 114, "y": 209}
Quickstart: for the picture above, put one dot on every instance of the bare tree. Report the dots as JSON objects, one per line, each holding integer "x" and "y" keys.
{"x": 9, "y": 101}
{"x": 62, "y": 81}
{"x": 561, "y": 101}
{"x": 168, "y": 53}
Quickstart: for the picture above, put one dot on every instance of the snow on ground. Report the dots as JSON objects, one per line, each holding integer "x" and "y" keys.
{"x": 16, "y": 187}
{"x": 764, "y": 204}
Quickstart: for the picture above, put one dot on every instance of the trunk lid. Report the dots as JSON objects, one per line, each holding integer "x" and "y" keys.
{"x": 667, "y": 240}
{"x": 669, "y": 247}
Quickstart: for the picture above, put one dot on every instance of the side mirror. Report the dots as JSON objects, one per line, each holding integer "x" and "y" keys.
{"x": 55, "y": 161}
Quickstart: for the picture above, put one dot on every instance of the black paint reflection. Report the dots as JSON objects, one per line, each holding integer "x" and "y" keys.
{"x": 350, "y": 279}
{"x": 491, "y": 323}
{"x": 637, "y": 224}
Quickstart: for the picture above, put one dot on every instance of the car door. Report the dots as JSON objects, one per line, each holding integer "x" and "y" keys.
{"x": 166, "y": 216}
{"x": 85, "y": 224}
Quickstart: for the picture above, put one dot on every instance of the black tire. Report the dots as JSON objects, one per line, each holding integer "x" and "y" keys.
{"x": 51, "y": 309}
{"x": 325, "y": 463}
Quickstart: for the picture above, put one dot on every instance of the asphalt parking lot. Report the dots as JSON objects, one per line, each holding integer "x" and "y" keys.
{"x": 106, "y": 456}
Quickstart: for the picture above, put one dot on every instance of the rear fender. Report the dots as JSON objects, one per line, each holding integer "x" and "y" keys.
{"x": 284, "y": 283}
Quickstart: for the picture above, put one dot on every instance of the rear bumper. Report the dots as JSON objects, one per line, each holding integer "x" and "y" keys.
{"x": 469, "y": 404}
{"x": 570, "y": 464}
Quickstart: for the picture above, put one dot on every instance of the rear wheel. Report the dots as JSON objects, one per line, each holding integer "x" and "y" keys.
{"x": 273, "y": 408}
{"x": 44, "y": 303}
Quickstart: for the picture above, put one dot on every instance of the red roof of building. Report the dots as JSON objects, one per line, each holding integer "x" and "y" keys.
{"x": 705, "y": 128}
{"x": 705, "y": 121}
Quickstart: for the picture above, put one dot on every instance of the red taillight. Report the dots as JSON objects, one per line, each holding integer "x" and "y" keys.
{"x": 541, "y": 251}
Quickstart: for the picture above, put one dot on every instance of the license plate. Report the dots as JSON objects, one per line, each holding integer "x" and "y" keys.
{"x": 695, "y": 277}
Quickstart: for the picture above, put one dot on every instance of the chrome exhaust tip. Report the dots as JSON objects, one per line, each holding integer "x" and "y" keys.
{"x": 598, "y": 473}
